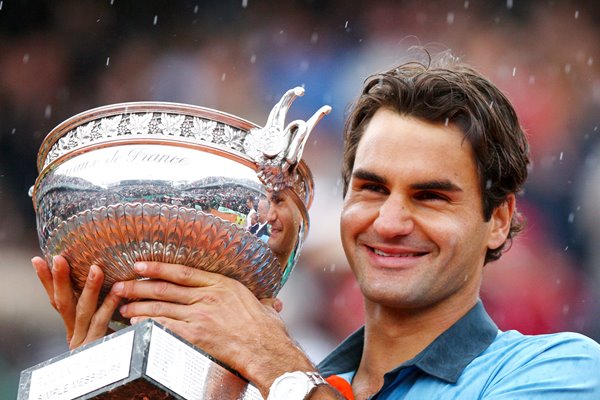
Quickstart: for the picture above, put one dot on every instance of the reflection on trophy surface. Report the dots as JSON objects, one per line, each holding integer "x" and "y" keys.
{"x": 176, "y": 183}
{"x": 285, "y": 221}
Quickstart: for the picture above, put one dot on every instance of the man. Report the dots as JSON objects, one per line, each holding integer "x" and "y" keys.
{"x": 251, "y": 217}
{"x": 285, "y": 221}
{"x": 433, "y": 159}
{"x": 261, "y": 228}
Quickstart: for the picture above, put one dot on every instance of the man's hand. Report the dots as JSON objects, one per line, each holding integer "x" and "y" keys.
{"x": 84, "y": 321}
{"x": 219, "y": 315}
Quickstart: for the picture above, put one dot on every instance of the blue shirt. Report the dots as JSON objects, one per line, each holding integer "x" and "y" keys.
{"x": 475, "y": 360}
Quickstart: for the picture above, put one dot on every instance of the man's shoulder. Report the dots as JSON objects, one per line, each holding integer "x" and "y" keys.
{"x": 513, "y": 342}
{"x": 516, "y": 361}
{"x": 517, "y": 366}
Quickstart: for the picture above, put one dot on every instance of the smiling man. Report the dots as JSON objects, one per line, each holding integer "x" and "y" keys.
{"x": 434, "y": 156}
{"x": 285, "y": 221}
{"x": 433, "y": 159}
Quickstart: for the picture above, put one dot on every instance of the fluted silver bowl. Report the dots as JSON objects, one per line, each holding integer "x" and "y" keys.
{"x": 175, "y": 183}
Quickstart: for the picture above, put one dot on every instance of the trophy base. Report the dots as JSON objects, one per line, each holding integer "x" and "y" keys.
{"x": 144, "y": 361}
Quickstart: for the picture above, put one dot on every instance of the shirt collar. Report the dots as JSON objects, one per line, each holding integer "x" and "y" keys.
{"x": 445, "y": 358}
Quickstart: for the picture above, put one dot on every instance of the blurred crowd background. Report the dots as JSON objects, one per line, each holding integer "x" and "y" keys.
{"x": 62, "y": 57}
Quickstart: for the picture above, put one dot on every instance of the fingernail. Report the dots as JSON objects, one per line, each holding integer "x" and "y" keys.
{"x": 118, "y": 287}
{"x": 92, "y": 273}
{"x": 140, "y": 266}
{"x": 123, "y": 309}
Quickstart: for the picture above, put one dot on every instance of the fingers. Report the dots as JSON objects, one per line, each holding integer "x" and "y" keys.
{"x": 98, "y": 325}
{"x": 157, "y": 309}
{"x": 45, "y": 276}
{"x": 84, "y": 321}
{"x": 86, "y": 306}
{"x": 180, "y": 274}
{"x": 64, "y": 298}
{"x": 154, "y": 290}
{"x": 171, "y": 282}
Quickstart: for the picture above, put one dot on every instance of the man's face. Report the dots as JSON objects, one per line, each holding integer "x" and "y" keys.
{"x": 284, "y": 218}
{"x": 262, "y": 210}
{"x": 412, "y": 223}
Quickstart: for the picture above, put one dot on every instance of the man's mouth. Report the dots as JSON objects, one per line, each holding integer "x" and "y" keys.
{"x": 403, "y": 254}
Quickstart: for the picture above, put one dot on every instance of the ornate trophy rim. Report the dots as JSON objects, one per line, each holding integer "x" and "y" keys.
{"x": 134, "y": 107}
{"x": 48, "y": 156}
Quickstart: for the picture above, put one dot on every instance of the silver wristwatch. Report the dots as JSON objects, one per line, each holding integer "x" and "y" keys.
{"x": 295, "y": 385}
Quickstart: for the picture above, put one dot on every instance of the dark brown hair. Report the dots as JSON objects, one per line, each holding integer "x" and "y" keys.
{"x": 451, "y": 94}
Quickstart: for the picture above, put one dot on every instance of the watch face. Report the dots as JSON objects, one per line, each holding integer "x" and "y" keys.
{"x": 292, "y": 386}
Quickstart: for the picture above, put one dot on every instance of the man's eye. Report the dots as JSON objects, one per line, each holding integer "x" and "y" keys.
{"x": 371, "y": 187}
{"x": 430, "y": 196}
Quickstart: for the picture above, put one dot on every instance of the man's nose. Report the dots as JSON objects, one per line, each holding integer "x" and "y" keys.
{"x": 395, "y": 217}
{"x": 271, "y": 215}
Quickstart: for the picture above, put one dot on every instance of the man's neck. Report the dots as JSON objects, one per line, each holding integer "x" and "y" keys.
{"x": 393, "y": 336}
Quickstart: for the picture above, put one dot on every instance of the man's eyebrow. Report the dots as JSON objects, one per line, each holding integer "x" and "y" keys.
{"x": 367, "y": 175}
{"x": 442, "y": 185}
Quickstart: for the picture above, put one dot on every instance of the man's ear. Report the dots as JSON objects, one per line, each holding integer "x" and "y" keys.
{"x": 500, "y": 222}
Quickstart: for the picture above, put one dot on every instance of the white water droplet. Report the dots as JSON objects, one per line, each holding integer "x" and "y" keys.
{"x": 14, "y": 130}
{"x": 155, "y": 20}
{"x": 466, "y": 5}
{"x": 112, "y": 2}
{"x": 48, "y": 111}
{"x": 576, "y": 14}
{"x": 514, "y": 71}
{"x": 450, "y": 18}
{"x": 567, "y": 68}
{"x": 107, "y": 61}
{"x": 560, "y": 157}
{"x": 1, "y": 3}
{"x": 509, "y": 4}
{"x": 25, "y": 58}
{"x": 590, "y": 61}
{"x": 196, "y": 9}
{"x": 346, "y": 25}
{"x": 253, "y": 59}
{"x": 314, "y": 38}
{"x": 446, "y": 121}
{"x": 244, "y": 3}
{"x": 223, "y": 76}
{"x": 571, "y": 218}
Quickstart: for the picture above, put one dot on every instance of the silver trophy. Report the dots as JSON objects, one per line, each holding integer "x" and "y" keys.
{"x": 153, "y": 181}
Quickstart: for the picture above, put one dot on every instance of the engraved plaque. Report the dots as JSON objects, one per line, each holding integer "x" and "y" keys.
{"x": 144, "y": 361}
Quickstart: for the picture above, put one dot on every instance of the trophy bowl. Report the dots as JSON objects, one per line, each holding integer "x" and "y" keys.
{"x": 176, "y": 183}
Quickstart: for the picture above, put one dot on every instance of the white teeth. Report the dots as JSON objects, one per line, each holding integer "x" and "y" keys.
{"x": 384, "y": 254}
